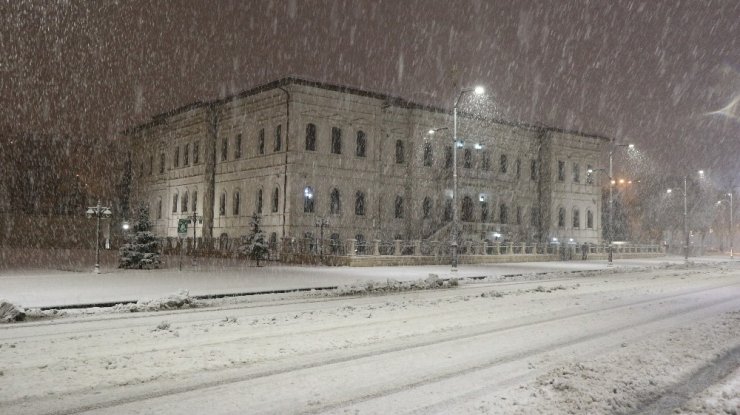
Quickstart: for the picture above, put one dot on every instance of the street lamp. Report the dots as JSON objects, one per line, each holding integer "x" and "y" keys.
{"x": 732, "y": 233}
{"x": 685, "y": 215}
{"x": 98, "y": 212}
{"x": 195, "y": 219}
{"x": 609, "y": 229}
{"x": 478, "y": 90}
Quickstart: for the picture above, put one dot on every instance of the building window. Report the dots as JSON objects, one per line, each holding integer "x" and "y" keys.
{"x": 398, "y": 208}
{"x": 273, "y": 241}
{"x": 467, "y": 159}
{"x": 589, "y": 219}
{"x": 195, "y": 200}
{"x": 361, "y": 149}
{"x": 275, "y": 200}
{"x": 426, "y": 208}
{"x": 225, "y": 149}
{"x": 359, "y": 204}
{"x": 279, "y": 137}
{"x": 467, "y": 209}
{"x": 259, "y": 201}
{"x": 261, "y": 141}
{"x": 186, "y": 155}
{"x": 503, "y": 213}
{"x": 222, "y": 205}
{"x": 141, "y": 170}
{"x": 308, "y": 200}
{"x": 311, "y": 137}
{"x": 427, "y": 154}
{"x": 576, "y": 218}
{"x": 533, "y": 169}
{"x": 448, "y": 157}
{"x": 561, "y": 217}
{"x": 447, "y": 215}
{"x": 589, "y": 174}
{"x": 176, "y": 159}
{"x": 174, "y": 203}
{"x": 161, "y": 163}
{"x": 184, "y": 202}
{"x": 561, "y": 171}
{"x": 361, "y": 244}
{"x": 534, "y": 218}
{"x": 576, "y": 173}
{"x": 238, "y": 147}
{"x": 485, "y": 161}
{"x": 151, "y": 164}
{"x": 503, "y": 165}
{"x": 159, "y": 208}
{"x": 236, "y": 203}
{"x": 399, "y": 152}
{"x": 484, "y": 211}
{"x": 336, "y": 140}
{"x": 518, "y": 215}
{"x": 334, "y": 203}
{"x": 196, "y": 153}
{"x": 518, "y": 168}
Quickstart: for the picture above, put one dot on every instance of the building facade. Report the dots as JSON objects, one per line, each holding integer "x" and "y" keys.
{"x": 300, "y": 153}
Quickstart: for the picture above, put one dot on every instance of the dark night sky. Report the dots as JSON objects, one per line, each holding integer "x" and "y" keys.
{"x": 647, "y": 72}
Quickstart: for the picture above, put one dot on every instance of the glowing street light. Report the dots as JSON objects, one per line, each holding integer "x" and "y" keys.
{"x": 98, "y": 212}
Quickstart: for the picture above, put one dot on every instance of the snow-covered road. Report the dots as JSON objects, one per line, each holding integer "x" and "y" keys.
{"x": 611, "y": 341}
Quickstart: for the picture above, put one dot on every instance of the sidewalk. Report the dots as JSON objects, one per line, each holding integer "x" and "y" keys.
{"x": 49, "y": 288}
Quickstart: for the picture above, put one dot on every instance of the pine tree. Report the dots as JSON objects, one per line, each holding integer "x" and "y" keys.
{"x": 255, "y": 244}
{"x": 141, "y": 250}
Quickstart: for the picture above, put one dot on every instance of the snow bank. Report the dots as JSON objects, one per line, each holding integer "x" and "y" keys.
{"x": 181, "y": 299}
{"x": 391, "y": 285}
{"x": 10, "y": 312}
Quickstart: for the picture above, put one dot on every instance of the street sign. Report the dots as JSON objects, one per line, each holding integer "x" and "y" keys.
{"x": 182, "y": 228}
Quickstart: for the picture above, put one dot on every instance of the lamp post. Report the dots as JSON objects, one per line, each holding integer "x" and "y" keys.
{"x": 478, "y": 90}
{"x": 732, "y": 225}
{"x": 195, "y": 219}
{"x": 686, "y": 215}
{"x": 321, "y": 223}
{"x": 609, "y": 229}
{"x": 98, "y": 212}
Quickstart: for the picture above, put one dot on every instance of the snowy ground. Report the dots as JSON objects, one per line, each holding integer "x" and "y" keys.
{"x": 49, "y": 287}
{"x": 655, "y": 340}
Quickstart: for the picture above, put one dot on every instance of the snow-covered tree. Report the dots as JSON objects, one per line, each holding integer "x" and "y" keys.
{"x": 255, "y": 244}
{"x": 141, "y": 249}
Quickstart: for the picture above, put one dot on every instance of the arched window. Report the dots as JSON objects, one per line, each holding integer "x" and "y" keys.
{"x": 399, "y": 152}
{"x": 336, "y": 140}
{"x": 195, "y": 201}
{"x": 589, "y": 219}
{"x": 334, "y": 243}
{"x": 426, "y": 208}
{"x": 196, "y": 152}
{"x": 359, "y": 204}
{"x": 467, "y": 158}
{"x": 361, "y": 150}
{"x": 186, "y": 155}
{"x": 278, "y": 137}
{"x": 334, "y": 202}
{"x": 448, "y": 210}
{"x": 261, "y": 141}
{"x": 222, "y": 205}
{"x": 275, "y": 199}
{"x": 174, "y": 203}
{"x": 238, "y": 147}
{"x": 308, "y": 200}
{"x": 576, "y": 218}
{"x": 184, "y": 202}
{"x": 503, "y": 164}
{"x": 311, "y": 137}
{"x": 225, "y": 149}
{"x": 561, "y": 217}
{"x": 398, "y": 208}
{"x": 176, "y": 157}
{"x": 161, "y": 163}
{"x": 236, "y": 203}
{"x": 467, "y": 209}
{"x": 484, "y": 214}
{"x": 503, "y": 213}
{"x": 259, "y": 201}
{"x": 427, "y": 154}
{"x": 159, "y": 208}
{"x": 448, "y": 157}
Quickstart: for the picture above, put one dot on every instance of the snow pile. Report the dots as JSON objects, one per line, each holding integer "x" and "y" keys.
{"x": 10, "y": 312}
{"x": 391, "y": 285}
{"x": 182, "y": 299}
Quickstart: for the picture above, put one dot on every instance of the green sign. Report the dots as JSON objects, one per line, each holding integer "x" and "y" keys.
{"x": 182, "y": 226}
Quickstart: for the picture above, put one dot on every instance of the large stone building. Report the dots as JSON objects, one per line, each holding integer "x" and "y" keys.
{"x": 297, "y": 152}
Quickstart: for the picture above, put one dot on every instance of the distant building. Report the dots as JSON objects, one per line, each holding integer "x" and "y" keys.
{"x": 296, "y": 151}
